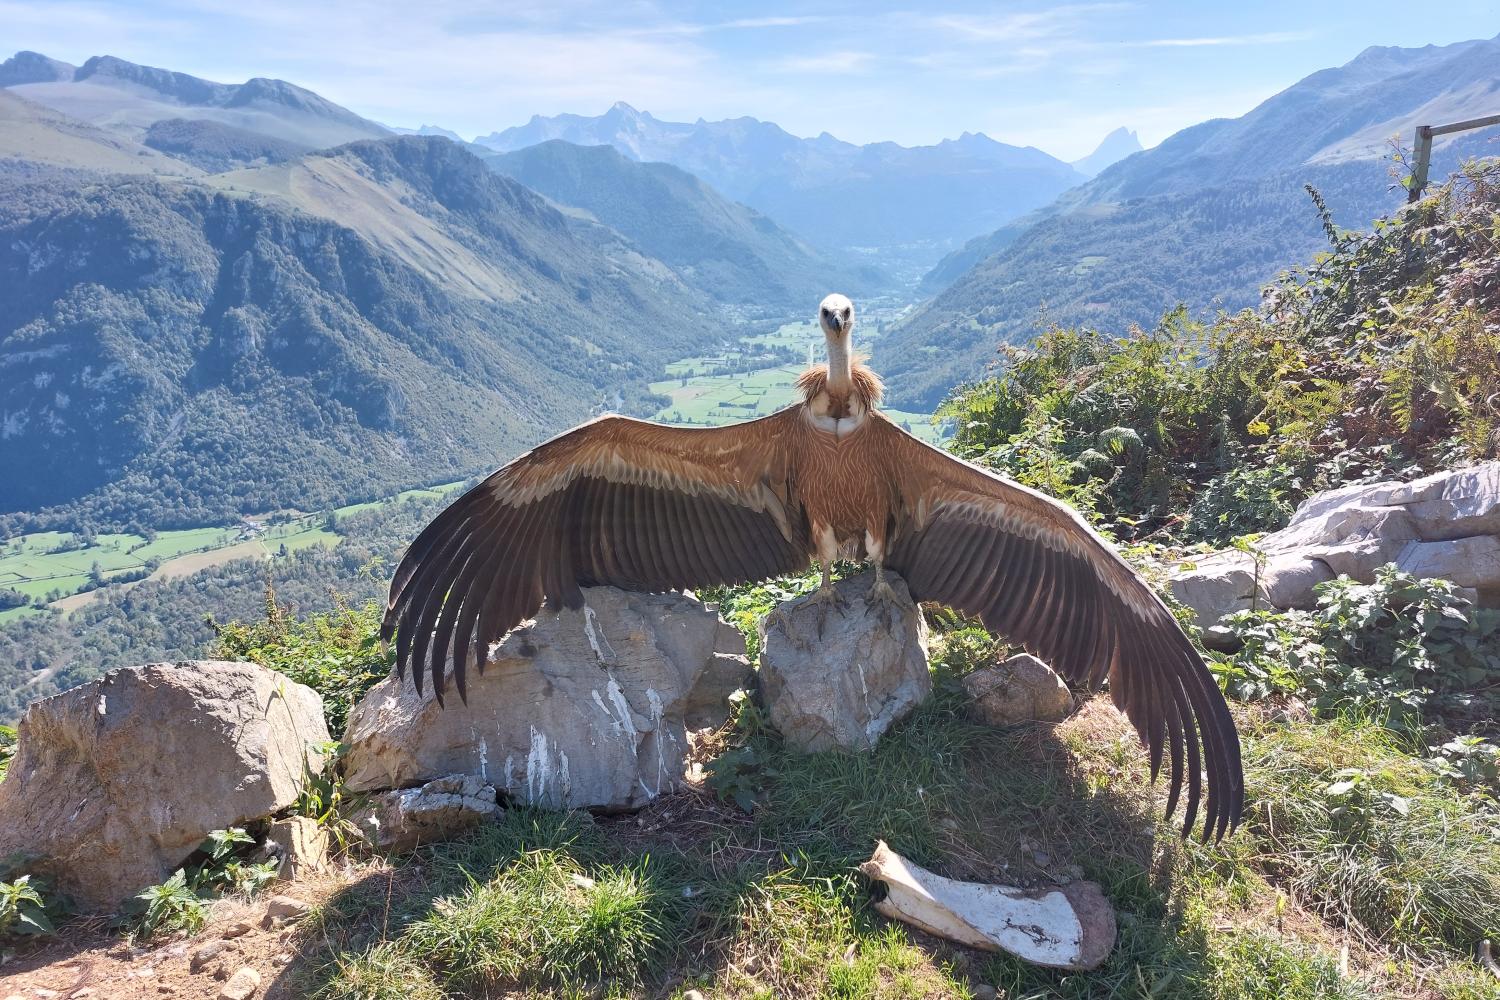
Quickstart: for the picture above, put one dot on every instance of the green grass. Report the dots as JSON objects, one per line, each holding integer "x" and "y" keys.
{"x": 696, "y": 893}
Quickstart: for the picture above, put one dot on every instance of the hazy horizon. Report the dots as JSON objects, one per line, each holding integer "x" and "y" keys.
{"x": 1056, "y": 78}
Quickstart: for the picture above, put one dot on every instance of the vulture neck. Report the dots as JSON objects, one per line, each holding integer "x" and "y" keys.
{"x": 840, "y": 366}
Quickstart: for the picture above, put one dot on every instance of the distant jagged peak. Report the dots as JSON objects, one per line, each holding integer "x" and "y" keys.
{"x": 33, "y": 67}
{"x": 1113, "y": 148}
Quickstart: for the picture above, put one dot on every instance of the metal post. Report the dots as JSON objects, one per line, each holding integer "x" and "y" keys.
{"x": 1423, "y": 149}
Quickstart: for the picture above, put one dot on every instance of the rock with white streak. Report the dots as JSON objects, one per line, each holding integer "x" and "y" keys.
{"x": 117, "y": 781}
{"x": 844, "y": 688}
{"x": 577, "y": 709}
{"x": 1067, "y": 927}
{"x": 1444, "y": 526}
{"x": 439, "y": 810}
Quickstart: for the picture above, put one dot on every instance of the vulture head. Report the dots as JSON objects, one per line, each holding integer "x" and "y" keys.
{"x": 836, "y": 317}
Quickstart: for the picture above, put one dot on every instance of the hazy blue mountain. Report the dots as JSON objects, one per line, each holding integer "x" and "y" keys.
{"x": 129, "y": 98}
{"x": 1111, "y": 150}
{"x": 426, "y": 130}
{"x": 33, "y": 67}
{"x": 1204, "y": 218}
{"x": 833, "y": 193}
{"x": 731, "y": 252}
{"x": 338, "y": 326}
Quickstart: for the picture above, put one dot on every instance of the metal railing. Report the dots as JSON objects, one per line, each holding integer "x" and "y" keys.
{"x": 1423, "y": 150}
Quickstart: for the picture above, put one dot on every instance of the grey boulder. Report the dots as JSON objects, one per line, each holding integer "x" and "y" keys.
{"x": 117, "y": 781}
{"x": 844, "y": 688}
{"x": 1022, "y": 689}
{"x": 578, "y": 709}
{"x": 1444, "y": 526}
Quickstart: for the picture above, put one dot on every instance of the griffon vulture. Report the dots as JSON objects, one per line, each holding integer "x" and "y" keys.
{"x": 649, "y": 507}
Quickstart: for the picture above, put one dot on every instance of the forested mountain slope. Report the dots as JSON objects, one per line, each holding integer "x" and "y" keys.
{"x": 1205, "y": 218}
{"x": 723, "y": 248}
{"x": 340, "y": 327}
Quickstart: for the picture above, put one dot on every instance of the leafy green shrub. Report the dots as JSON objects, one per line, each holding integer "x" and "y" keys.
{"x": 171, "y": 906}
{"x": 178, "y": 904}
{"x": 1243, "y": 500}
{"x": 336, "y": 653}
{"x": 23, "y": 911}
{"x": 1402, "y": 647}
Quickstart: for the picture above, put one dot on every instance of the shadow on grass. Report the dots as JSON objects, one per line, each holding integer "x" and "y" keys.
{"x": 769, "y": 904}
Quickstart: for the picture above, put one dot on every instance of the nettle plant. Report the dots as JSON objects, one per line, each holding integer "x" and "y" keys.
{"x": 1405, "y": 648}
{"x": 180, "y": 903}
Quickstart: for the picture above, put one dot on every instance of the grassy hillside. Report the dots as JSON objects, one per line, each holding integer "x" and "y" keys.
{"x": 305, "y": 334}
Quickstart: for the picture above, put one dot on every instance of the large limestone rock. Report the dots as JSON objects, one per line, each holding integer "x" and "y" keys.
{"x": 1445, "y": 525}
{"x": 846, "y": 688}
{"x": 585, "y": 708}
{"x": 117, "y": 781}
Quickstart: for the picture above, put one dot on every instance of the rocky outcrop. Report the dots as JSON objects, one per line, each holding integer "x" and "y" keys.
{"x": 1022, "y": 689}
{"x": 1445, "y": 525}
{"x": 585, "y": 708}
{"x": 439, "y": 810}
{"x": 117, "y": 781}
{"x": 844, "y": 688}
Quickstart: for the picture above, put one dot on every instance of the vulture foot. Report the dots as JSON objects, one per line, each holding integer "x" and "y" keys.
{"x": 823, "y": 598}
{"x": 882, "y": 598}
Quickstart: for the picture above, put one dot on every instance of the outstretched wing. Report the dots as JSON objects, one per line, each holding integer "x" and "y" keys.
{"x": 1033, "y": 570}
{"x": 614, "y": 501}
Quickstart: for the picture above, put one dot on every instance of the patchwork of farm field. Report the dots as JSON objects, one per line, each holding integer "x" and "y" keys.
{"x": 63, "y": 568}
{"x": 706, "y": 391}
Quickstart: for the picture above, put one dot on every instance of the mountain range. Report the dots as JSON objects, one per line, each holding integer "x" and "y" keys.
{"x": 833, "y": 193}
{"x": 225, "y": 298}
{"x": 1205, "y": 218}
{"x": 730, "y": 252}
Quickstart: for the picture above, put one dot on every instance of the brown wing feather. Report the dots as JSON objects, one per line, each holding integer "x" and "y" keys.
{"x": 615, "y": 501}
{"x": 1033, "y": 570}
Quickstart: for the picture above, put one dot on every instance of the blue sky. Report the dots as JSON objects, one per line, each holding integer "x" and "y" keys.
{"x": 1055, "y": 76}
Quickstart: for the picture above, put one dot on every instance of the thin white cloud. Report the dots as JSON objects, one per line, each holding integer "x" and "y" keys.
{"x": 823, "y": 63}
{"x": 1265, "y": 38}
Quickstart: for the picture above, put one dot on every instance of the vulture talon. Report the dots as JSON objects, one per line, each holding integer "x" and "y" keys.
{"x": 882, "y": 599}
{"x": 822, "y": 599}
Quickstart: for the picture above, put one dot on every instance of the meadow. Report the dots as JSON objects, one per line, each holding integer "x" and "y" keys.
{"x": 722, "y": 388}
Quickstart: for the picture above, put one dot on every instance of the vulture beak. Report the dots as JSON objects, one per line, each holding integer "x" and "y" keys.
{"x": 835, "y": 322}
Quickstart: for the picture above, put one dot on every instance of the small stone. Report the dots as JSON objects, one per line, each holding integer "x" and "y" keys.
{"x": 984, "y": 992}
{"x": 1022, "y": 689}
{"x": 79, "y": 994}
{"x": 298, "y": 844}
{"x": 242, "y": 985}
{"x": 46, "y": 994}
{"x": 281, "y": 958}
{"x": 1042, "y": 859}
{"x": 692, "y": 995}
{"x": 284, "y": 909}
{"x": 238, "y": 929}
{"x": 15, "y": 996}
{"x": 205, "y": 954}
